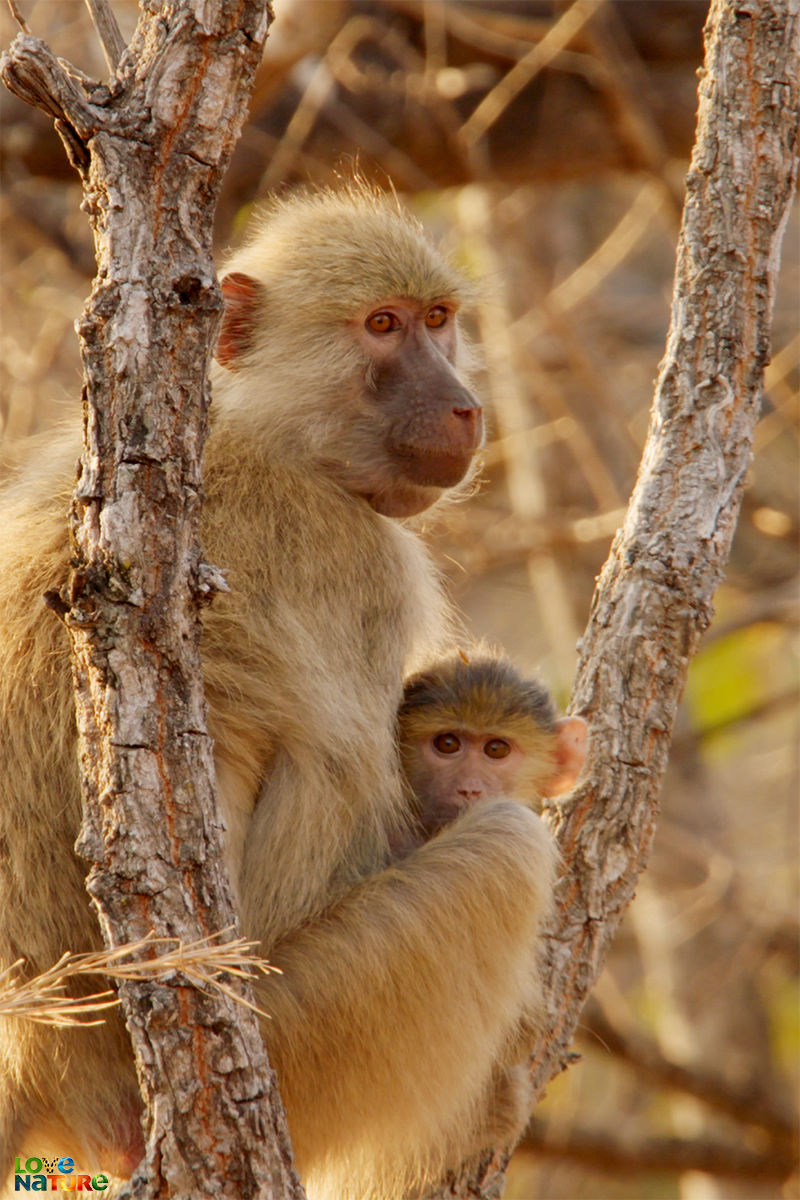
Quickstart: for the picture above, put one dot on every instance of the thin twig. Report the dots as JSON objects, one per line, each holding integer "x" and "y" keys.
{"x": 108, "y": 31}
{"x": 18, "y": 17}
{"x": 498, "y": 99}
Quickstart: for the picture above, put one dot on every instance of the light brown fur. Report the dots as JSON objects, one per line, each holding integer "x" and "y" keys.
{"x": 502, "y": 740}
{"x": 403, "y": 985}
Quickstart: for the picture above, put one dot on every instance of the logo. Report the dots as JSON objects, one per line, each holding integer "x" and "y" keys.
{"x": 54, "y": 1175}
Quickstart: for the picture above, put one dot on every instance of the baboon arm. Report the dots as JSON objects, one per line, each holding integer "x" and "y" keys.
{"x": 395, "y": 1006}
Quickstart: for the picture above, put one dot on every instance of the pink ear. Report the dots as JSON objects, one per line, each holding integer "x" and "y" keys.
{"x": 242, "y": 295}
{"x": 571, "y": 733}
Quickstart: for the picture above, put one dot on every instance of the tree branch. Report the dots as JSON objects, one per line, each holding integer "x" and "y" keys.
{"x": 598, "y": 1152}
{"x": 654, "y": 597}
{"x": 750, "y": 1106}
{"x": 108, "y": 31}
{"x": 31, "y": 71}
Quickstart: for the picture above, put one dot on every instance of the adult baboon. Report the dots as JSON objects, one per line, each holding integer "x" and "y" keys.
{"x": 340, "y": 409}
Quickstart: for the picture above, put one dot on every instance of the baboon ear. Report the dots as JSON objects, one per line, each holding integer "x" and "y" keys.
{"x": 571, "y": 737}
{"x": 242, "y": 295}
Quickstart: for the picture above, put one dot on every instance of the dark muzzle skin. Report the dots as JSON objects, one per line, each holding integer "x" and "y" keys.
{"x": 436, "y": 423}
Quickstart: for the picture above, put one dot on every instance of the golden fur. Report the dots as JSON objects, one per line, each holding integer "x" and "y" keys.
{"x": 403, "y": 985}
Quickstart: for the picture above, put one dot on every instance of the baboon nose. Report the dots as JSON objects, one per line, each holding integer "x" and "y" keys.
{"x": 464, "y": 403}
{"x": 469, "y": 419}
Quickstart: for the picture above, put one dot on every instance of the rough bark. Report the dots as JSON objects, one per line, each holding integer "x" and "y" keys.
{"x": 654, "y": 598}
{"x": 151, "y": 146}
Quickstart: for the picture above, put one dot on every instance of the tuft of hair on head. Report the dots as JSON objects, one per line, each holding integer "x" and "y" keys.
{"x": 478, "y": 692}
{"x": 351, "y": 243}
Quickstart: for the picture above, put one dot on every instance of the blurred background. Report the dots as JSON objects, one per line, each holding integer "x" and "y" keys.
{"x": 545, "y": 144}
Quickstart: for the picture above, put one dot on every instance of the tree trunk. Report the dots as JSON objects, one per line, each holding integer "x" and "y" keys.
{"x": 151, "y": 147}
{"x": 654, "y": 598}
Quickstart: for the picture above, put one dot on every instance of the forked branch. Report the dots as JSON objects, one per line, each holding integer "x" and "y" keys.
{"x": 654, "y": 598}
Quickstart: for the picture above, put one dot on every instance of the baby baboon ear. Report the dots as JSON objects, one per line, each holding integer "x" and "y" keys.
{"x": 242, "y": 295}
{"x": 571, "y": 737}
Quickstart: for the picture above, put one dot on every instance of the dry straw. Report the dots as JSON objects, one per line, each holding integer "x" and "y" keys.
{"x": 204, "y": 962}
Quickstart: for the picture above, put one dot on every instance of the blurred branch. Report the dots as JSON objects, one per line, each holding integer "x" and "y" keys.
{"x": 560, "y": 429}
{"x": 580, "y": 129}
{"x": 320, "y": 92}
{"x": 526, "y": 69}
{"x": 747, "y": 1106}
{"x": 625, "y": 84}
{"x": 508, "y": 34}
{"x": 600, "y": 1152}
{"x": 777, "y": 932}
{"x": 784, "y": 701}
{"x": 316, "y": 92}
{"x": 586, "y": 278}
{"x": 586, "y": 456}
{"x": 522, "y": 463}
{"x": 785, "y": 399}
{"x": 497, "y": 541}
{"x": 777, "y": 605}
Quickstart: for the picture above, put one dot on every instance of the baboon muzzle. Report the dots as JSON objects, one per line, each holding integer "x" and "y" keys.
{"x": 438, "y": 423}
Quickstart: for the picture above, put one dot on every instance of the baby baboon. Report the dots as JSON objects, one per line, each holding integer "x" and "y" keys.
{"x": 472, "y": 728}
{"x": 340, "y": 406}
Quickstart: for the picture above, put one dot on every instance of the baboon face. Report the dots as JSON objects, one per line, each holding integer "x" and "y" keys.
{"x": 428, "y": 423}
{"x": 365, "y": 310}
{"x": 472, "y": 730}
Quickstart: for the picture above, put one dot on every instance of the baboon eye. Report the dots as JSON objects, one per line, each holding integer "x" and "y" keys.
{"x": 447, "y": 743}
{"x": 436, "y": 316}
{"x": 382, "y": 322}
{"x": 497, "y": 748}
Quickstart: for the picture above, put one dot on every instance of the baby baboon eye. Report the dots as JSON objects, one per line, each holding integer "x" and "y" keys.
{"x": 447, "y": 743}
{"x": 382, "y": 322}
{"x": 497, "y": 748}
{"x": 436, "y": 316}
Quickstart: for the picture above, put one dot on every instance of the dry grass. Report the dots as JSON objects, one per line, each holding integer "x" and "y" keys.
{"x": 204, "y": 962}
